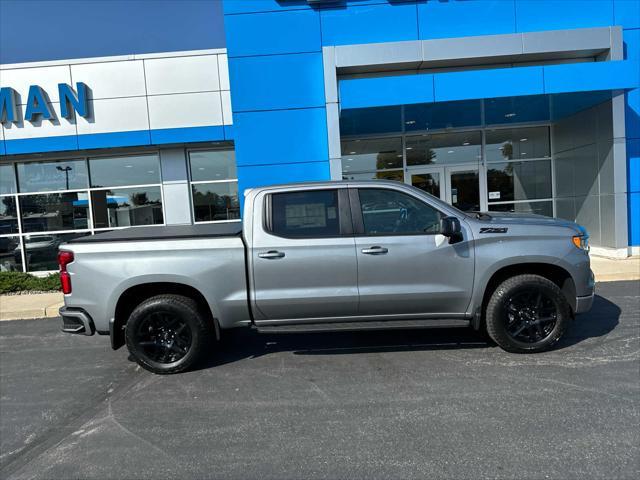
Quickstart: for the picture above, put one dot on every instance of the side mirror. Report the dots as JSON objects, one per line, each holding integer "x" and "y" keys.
{"x": 450, "y": 227}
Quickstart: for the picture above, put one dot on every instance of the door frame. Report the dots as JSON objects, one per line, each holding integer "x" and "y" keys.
{"x": 482, "y": 186}
{"x": 418, "y": 170}
{"x": 445, "y": 172}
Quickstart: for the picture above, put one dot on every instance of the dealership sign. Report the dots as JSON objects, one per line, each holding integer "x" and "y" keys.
{"x": 38, "y": 105}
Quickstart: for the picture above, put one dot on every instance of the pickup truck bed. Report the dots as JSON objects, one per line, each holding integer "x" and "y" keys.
{"x": 175, "y": 232}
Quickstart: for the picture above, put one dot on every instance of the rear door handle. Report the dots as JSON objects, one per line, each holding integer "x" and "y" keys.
{"x": 375, "y": 250}
{"x": 271, "y": 254}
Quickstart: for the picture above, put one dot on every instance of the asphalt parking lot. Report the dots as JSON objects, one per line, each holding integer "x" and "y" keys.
{"x": 419, "y": 404}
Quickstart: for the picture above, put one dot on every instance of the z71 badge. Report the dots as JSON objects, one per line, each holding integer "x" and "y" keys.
{"x": 493, "y": 230}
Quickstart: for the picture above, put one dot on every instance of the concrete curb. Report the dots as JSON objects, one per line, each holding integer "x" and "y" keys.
{"x": 26, "y": 307}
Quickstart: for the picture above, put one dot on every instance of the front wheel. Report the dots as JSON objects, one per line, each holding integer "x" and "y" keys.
{"x": 527, "y": 314}
{"x": 168, "y": 334}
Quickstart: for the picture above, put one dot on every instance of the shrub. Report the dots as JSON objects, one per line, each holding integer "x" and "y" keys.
{"x": 19, "y": 282}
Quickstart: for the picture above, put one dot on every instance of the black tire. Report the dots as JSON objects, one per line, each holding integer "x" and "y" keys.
{"x": 527, "y": 314}
{"x": 168, "y": 334}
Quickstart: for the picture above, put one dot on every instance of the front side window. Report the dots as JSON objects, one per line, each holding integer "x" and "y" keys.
{"x": 388, "y": 212}
{"x": 309, "y": 214}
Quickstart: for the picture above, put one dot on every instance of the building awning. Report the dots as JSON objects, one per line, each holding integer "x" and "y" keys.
{"x": 422, "y": 88}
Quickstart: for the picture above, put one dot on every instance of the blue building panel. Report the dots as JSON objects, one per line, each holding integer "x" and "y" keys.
{"x": 386, "y": 91}
{"x": 42, "y": 144}
{"x": 258, "y": 175}
{"x": 495, "y": 83}
{"x": 631, "y": 40}
{"x": 633, "y": 165}
{"x": 114, "y": 139}
{"x": 461, "y": 19}
{"x": 632, "y": 113}
{"x": 626, "y": 13}
{"x": 634, "y": 215}
{"x": 534, "y": 15}
{"x": 277, "y": 82}
{"x": 358, "y": 23}
{"x": 582, "y": 77}
{"x": 187, "y": 134}
{"x": 232, "y": 7}
{"x": 281, "y": 136}
{"x": 274, "y": 33}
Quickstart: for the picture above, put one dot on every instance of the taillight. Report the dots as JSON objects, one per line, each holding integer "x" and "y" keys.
{"x": 64, "y": 259}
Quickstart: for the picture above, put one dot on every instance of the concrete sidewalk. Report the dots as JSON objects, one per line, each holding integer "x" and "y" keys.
{"x": 21, "y": 307}
{"x": 15, "y": 307}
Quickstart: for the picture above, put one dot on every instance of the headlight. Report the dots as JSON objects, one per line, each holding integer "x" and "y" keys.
{"x": 581, "y": 241}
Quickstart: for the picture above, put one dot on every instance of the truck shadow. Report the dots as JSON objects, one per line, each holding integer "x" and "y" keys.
{"x": 239, "y": 344}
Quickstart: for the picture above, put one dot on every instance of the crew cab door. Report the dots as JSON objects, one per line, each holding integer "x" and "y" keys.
{"x": 405, "y": 266}
{"x": 303, "y": 256}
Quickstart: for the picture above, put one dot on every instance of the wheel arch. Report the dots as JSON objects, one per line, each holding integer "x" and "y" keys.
{"x": 136, "y": 294}
{"x": 558, "y": 275}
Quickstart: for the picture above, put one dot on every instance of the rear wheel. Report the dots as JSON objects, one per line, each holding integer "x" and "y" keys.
{"x": 168, "y": 334}
{"x": 527, "y": 314}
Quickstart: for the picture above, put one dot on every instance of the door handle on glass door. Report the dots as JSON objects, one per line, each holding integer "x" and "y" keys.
{"x": 271, "y": 254}
{"x": 375, "y": 251}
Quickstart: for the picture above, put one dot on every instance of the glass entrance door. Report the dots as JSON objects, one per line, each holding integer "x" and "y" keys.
{"x": 459, "y": 186}
{"x": 431, "y": 180}
{"x": 463, "y": 188}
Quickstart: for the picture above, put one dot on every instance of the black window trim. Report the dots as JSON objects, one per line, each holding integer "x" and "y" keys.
{"x": 358, "y": 221}
{"x": 345, "y": 225}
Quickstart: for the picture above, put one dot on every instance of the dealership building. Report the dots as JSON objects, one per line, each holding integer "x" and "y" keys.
{"x": 528, "y": 106}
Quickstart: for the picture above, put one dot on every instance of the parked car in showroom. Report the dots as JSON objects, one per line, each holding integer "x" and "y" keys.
{"x": 328, "y": 256}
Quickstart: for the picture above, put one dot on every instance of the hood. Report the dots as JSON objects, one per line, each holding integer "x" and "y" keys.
{"x": 512, "y": 218}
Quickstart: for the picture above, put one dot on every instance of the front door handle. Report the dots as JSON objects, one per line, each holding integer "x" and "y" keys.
{"x": 375, "y": 250}
{"x": 271, "y": 254}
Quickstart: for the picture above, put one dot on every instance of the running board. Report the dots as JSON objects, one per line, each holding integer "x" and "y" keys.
{"x": 363, "y": 325}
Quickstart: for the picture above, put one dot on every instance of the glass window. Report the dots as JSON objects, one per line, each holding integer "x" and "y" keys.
{"x": 215, "y": 201}
{"x": 519, "y": 180}
{"x": 539, "y": 208}
{"x": 397, "y": 175}
{"x": 10, "y": 254}
{"x": 127, "y": 207}
{"x": 427, "y": 182}
{"x": 41, "y": 251}
{"x": 54, "y": 211}
{"x": 517, "y": 144}
{"x": 130, "y": 170}
{"x": 50, "y": 176}
{"x": 363, "y": 155}
{"x": 212, "y": 165}
{"x": 8, "y": 215}
{"x": 444, "y": 148}
{"x": 305, "y": 214}
{"x": 386, "y": 212}
{"x": 7, "y": 179}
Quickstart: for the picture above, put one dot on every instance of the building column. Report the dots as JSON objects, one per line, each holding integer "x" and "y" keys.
{"x": 175, "y": 187}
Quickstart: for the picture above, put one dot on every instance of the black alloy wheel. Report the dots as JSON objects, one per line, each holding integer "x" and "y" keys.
{"x": 163, "y": 337}
{"x": 527, "y": 313}
{"x": 169, "y": 333}
{"x": 531, "y": 315}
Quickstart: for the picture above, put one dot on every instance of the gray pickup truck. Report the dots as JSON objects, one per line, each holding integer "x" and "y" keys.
{"x": 327, "y": 256}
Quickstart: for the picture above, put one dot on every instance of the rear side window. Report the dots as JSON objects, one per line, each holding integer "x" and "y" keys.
{"x": 305, "y": 214}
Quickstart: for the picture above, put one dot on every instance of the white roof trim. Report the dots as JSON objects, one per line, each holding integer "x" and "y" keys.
{"x": 115, "y": 58}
